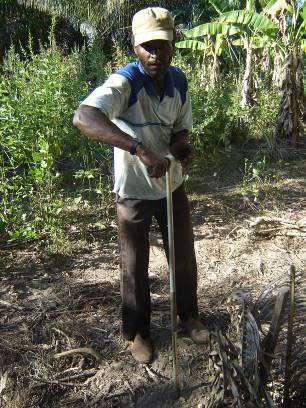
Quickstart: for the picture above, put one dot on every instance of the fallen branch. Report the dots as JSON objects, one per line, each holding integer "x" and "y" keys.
{"x": 84, "y": 374}
{"x": 86, "y": 350}
{"x": 43, "y": 381}
{"x": 273, "y": 226}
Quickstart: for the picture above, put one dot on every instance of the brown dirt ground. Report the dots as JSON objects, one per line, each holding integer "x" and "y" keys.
{"x": 50, "y": 304}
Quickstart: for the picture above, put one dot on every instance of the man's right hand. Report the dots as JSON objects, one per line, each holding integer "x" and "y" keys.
{"x": 156, "y": 166}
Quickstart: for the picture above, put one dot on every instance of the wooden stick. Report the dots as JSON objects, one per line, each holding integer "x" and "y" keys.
{"x": 86, "y": 350}
{"x": 85, "y": 373}
{"x": 54, "y": 382}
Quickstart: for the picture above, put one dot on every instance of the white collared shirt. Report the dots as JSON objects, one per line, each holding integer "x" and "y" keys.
{"x": 129, "y": 100}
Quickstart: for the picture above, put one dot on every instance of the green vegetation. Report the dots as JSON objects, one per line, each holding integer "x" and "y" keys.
{"x": 50, "y": 172}
{"x": 244, "y": 63}
{"x": 42, "y": 156}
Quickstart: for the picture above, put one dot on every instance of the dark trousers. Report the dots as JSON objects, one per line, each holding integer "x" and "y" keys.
{"x": 135, "y": 217}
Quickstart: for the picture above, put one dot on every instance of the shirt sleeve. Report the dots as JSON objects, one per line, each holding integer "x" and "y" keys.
{"x": 112, "y": 97}
{"x": 184, "y": 119}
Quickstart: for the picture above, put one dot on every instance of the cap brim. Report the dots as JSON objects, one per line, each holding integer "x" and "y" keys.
{"x": 153, "y": 35}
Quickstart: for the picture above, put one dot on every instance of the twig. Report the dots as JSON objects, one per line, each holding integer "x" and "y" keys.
{"x": 230, "y": 233}
{"x": 119, "y": 394}
{"x": 97, "y": 328}
{"x": 280, "y": 249}
{"x": 8, "y": 304}
{"x": 84, "y": 374}
{"x": 86, "y": 350}
{"x": 270, "y": 230}
{"x": 54, "y": 382}
{"x": 296, "y": 234}
{"x": 151, "y": 374}
{"x": 127, "y": 384}
{"x": 63, "y": 334}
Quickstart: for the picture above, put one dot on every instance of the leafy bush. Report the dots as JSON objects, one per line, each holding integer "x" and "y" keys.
{"x": 38, "y": 96}
{"x": 45, "y": 164}
{"x": 219, "y": 120}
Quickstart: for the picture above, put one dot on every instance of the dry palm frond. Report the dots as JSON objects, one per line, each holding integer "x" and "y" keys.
{"x": 295, "y": 370}
{"x": 263, "y": 309}
{"x": 269, "y": 342}
{"x": 230, "y": 386}
{"x": 235, "y": 367}
{"x": 240, "y": 371}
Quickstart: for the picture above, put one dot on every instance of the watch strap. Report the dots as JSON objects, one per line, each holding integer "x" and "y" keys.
{"x": 133, "y": 148}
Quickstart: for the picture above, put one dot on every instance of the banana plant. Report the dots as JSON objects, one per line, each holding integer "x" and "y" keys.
{"x": 211, "y": 47}
{"x": 245, "y": 24}
{"x": 291, "y": 19}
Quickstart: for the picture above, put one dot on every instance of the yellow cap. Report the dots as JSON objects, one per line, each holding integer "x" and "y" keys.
{"x": 152, "y": 23}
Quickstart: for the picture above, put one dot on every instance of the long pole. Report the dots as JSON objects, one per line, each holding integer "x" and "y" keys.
{"x": 172, "y": 280}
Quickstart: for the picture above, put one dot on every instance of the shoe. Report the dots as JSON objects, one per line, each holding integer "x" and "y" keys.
{"x": 196, "y": 330}
{"x": 142, "y": 350}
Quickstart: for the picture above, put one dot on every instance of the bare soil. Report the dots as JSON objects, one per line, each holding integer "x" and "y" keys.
{"x": 54, "y": 303}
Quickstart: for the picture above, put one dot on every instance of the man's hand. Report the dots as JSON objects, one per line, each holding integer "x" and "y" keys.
{"x": 183, "y": 152}
{"x": 157, "y": 167}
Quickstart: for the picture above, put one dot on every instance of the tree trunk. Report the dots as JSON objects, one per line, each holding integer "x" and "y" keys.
{"x": 249, "y": 90}
{"x": 215, "y": 70}
{"x": 289, "y": 119}
{"x": 278, "y": 70}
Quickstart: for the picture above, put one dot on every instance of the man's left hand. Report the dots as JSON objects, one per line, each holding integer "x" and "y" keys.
{"x": 183, "y": 152}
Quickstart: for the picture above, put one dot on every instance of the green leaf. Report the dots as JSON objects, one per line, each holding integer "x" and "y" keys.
{"x": 192, "y": 45}
{"x": 257, "y": 42}
{"x": 270, "y": 4}
{"x": 78, "y": 199}
{"x": 251, "y": 19}
{"x": 303, "y": 12}
{"x": 220, "y": 5}
{"x": 213, "y": 29}
{"x": 219, "y": 44}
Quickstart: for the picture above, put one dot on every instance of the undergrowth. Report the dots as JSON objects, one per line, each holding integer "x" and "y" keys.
{"x": 43, "y": 159}
{"x": 51, "y": 174}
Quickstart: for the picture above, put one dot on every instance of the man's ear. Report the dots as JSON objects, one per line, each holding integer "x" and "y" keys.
{"x": 133, "y": 42}
{"x": 174, "y": 39}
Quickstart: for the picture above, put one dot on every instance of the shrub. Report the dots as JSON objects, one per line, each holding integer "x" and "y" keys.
{"x": 218, "y": 117}
{"x": 38, "y": 96}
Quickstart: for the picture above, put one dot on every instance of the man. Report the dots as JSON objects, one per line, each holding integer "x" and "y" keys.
{"x": 144, "y": 111}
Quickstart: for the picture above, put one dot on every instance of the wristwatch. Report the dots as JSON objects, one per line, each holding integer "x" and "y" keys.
{"x": 133, "y": 148}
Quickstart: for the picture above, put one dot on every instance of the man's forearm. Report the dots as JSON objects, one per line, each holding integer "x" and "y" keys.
{"x": 179, "y": 137}
{"x": 95, "y": 125}
{"x": 179, "y": 146}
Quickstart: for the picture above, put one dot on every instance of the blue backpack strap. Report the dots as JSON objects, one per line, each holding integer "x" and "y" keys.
{"x": 131, "y": 72}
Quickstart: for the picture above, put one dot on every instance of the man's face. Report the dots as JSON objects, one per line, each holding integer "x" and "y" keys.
{"x": 155, "y": 57}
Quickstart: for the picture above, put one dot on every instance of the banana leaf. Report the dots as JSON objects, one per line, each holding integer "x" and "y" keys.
{"x": 192, "y": 45}
{"x": 251, "y": 19}
{"x": 220, "y": 6}
{"x": 214, "y": 29}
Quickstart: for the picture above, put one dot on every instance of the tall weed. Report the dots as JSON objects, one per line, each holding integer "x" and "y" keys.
{"x": 38, "y": 96}
{"x": 219, "y": 119}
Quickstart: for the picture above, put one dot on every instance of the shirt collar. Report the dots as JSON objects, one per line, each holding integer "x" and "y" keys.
{"x": 169, "y": 86}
